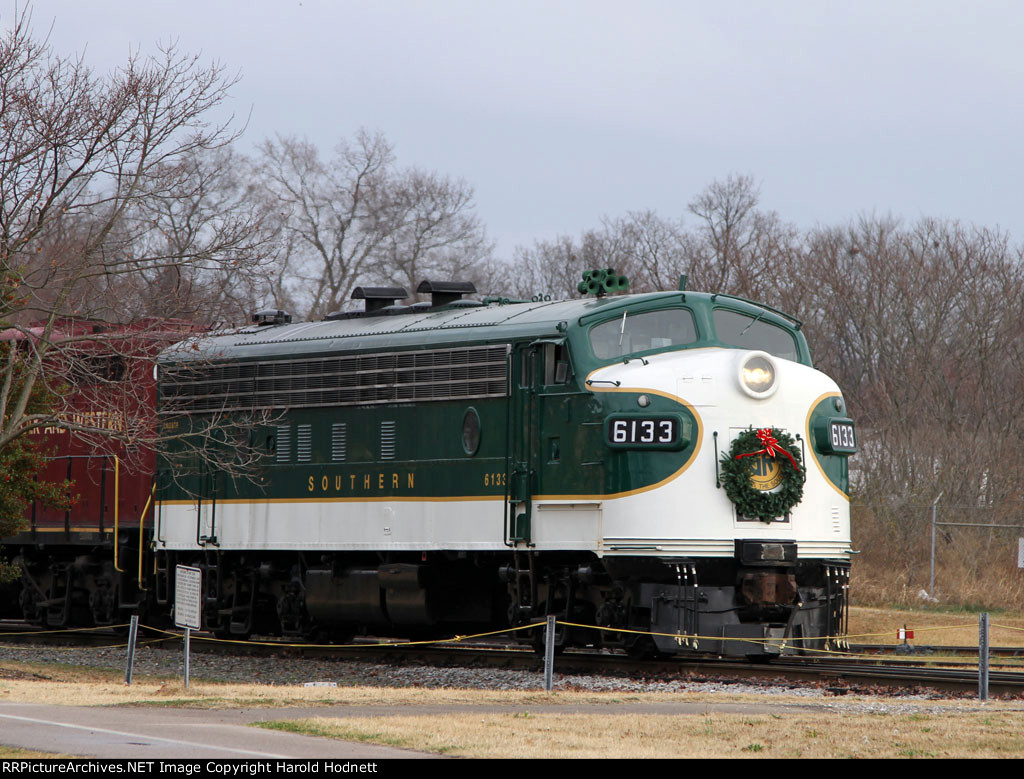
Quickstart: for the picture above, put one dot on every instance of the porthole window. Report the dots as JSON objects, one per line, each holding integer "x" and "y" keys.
{"x": 470, "y": 431}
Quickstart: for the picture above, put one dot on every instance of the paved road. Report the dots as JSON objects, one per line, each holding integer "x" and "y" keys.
{"x": 148, "y": 733}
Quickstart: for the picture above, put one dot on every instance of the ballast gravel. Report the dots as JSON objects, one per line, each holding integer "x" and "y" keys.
{"x": 286, "y": 670}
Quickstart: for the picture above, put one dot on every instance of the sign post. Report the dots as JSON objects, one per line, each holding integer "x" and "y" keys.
{"x": 188, "y": 604}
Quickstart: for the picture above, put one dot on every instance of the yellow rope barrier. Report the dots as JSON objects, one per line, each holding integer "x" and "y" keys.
{"x": 29, "y": 647}
{"x": 1007, "y": 627}
{"x": 454, "y": 639}
{"x": 797, "y": 643}
{"x": 64, "y": 630}
{"x": 833, "y": 647}
{"x": 781, "y": 643}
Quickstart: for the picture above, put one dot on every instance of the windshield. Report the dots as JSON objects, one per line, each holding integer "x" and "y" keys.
{"x": 631, "y": 333}
{"x": 749, "y": 332}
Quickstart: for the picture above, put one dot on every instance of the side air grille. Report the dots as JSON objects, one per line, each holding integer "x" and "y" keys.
{"x": 387, "y": 440}
{"x": 284, "y": 443}
{"x": 304, "y": 443}
{"x": 367, "y": 379}
{"x": 339, "y": 442}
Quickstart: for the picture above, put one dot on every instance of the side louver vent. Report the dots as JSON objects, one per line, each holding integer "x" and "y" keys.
{"x": 304, "y": 441}
{"x": 284, "y": 443}
{"x": 367, "y": 379}
{"x": 339, "y": 442}
{"x": 387, "y": 440}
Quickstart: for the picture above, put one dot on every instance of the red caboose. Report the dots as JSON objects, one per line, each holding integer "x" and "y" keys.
{"x": 89, "y": 564}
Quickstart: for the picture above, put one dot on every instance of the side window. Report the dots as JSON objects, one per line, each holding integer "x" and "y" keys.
{"x": 749, "y": 332}
{"x": 98, "y": 368}
{"x": 557, "y": 366}
{"x": 631, "y": 333}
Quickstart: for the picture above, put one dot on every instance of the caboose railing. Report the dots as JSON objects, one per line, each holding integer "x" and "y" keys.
{"x": 142, "y": 525}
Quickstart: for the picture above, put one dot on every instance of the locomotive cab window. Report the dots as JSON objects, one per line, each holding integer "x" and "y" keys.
{"x": 643, "y": 332}
{"x": 750, "y": 332}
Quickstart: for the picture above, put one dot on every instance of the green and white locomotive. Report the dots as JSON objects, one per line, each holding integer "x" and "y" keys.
{"x": 668, "y": 467}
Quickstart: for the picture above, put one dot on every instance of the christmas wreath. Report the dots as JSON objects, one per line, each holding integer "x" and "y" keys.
{"x": 737, "y": 476}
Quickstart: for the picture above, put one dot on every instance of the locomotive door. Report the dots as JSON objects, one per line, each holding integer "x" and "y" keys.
{"x": 541, "y": 371}
{"x": 522, "y": 452}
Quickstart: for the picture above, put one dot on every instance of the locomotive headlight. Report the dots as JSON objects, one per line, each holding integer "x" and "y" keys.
{"x": 758, "y": 377}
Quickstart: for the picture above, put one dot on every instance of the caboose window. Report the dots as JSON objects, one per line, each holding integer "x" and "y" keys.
{"x": 749, "y": 332}
{"x": 631, "y": 333}
{"x": 97, "y": 368}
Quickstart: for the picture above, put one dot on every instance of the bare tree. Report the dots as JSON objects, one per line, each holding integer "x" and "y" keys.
{"x": 219, "y": 227}
{"x": 555, "y": 267}
{"x": 357, "y": 218}
{"x": 99, "y": 177}
{"x": 435, "y": 233}
{"x": 738, "y": 248}
{"x": 734, "y": 247}
{"x": 920, "y": 327}
{"x": 652, "y": 249}
{"x": 546, "y": 268}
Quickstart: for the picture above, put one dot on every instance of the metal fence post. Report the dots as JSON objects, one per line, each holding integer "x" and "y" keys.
{"x": 983, "y": 656}
{"x": 549, "y": 652}
{"x": 133, "y": 632}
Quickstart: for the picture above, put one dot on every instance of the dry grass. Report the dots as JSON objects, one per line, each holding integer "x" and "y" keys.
{"x": 952, "y": 733}
{"x": 13, "y": 753}
{"x": 975, "y": 567}
{"x": 869, "y": 625}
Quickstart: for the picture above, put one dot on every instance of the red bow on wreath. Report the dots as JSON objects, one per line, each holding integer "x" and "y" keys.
{"x": 771, "y": 446}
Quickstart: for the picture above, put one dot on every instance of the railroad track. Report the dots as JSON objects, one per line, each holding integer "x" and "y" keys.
{"x": 923, "y": 650}
{"x": 879, "y": 675}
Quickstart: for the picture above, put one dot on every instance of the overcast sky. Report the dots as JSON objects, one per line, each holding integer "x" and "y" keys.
{"x": 559, "y": 113}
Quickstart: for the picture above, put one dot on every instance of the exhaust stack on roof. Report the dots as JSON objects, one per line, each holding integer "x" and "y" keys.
{"x": 379, "y": 297}
{"x": 444, "y": 292}
{"x": 271, "y": 316}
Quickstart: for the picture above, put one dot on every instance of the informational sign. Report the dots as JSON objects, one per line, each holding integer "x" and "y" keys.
{"x": 188, "y": 597}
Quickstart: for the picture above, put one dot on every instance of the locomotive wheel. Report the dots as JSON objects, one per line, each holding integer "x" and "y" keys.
{"x": 539, "y": 647}
{"x": 321, "y": 634}
{"x": 644, "y": 648}
{"x": 562, "y": 633}
{"x": 227, "y": 635}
